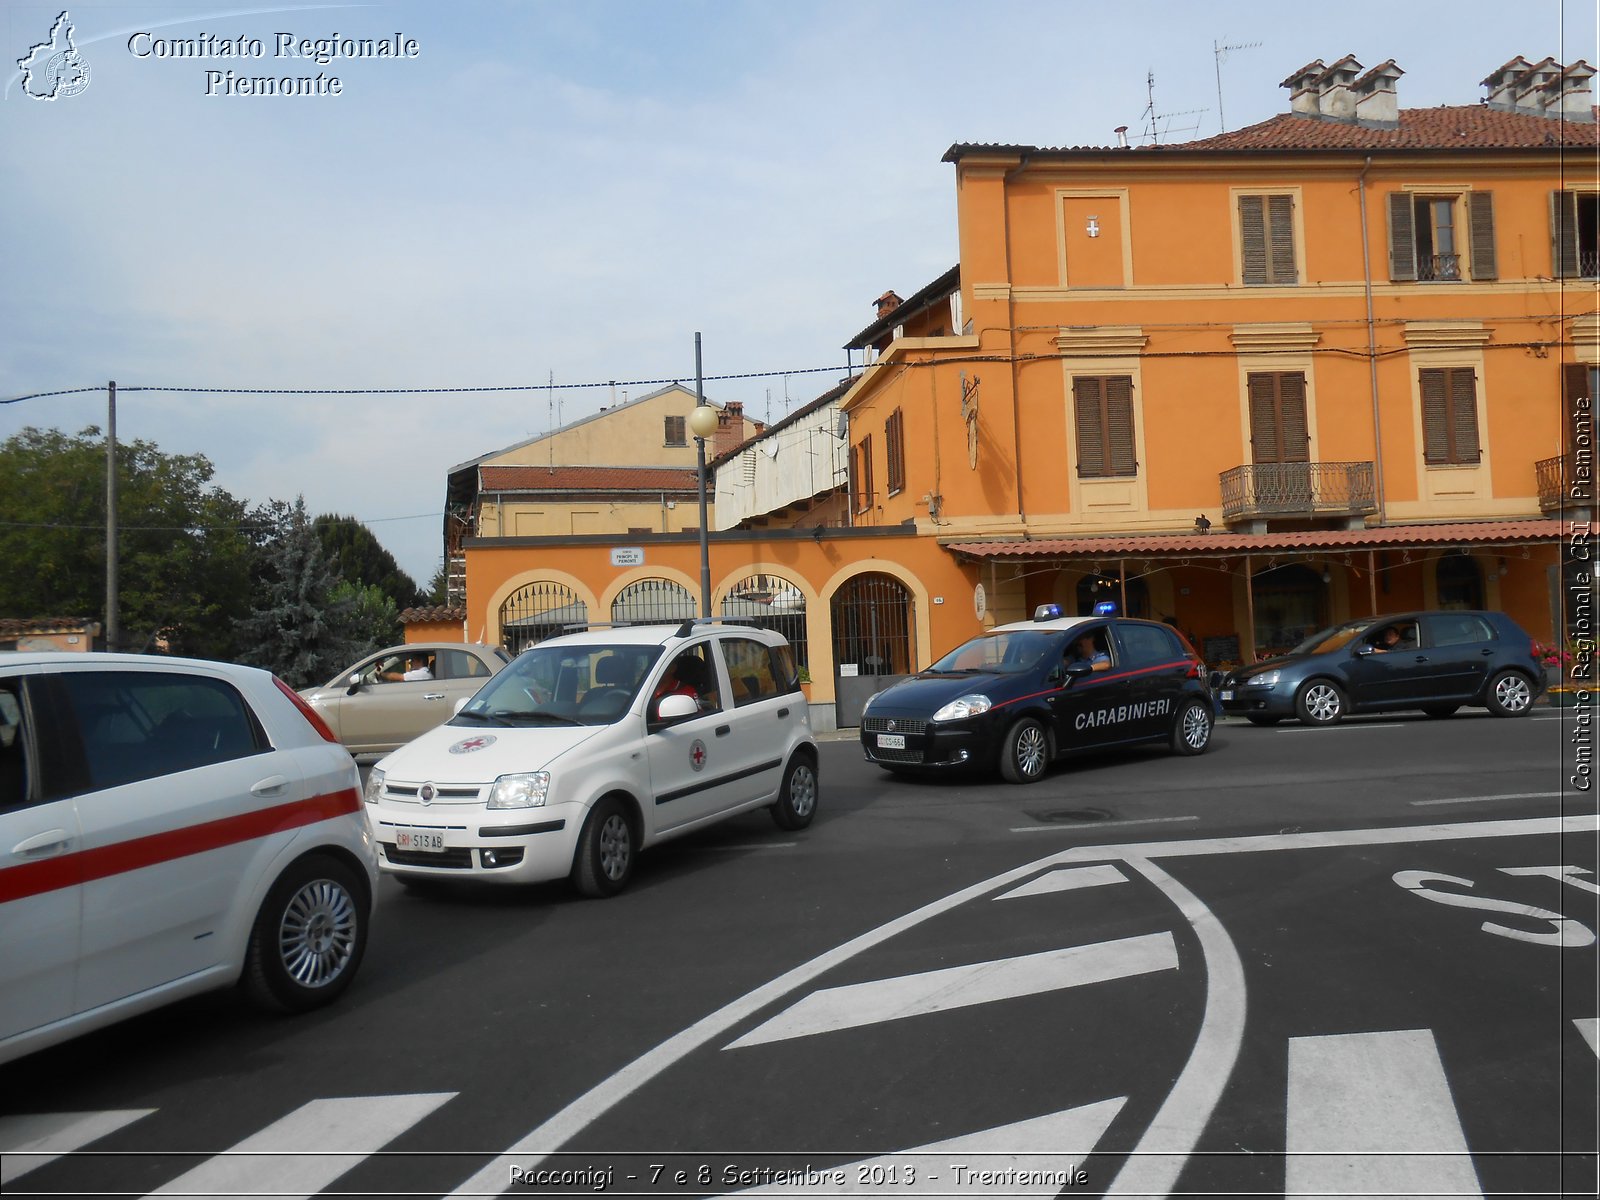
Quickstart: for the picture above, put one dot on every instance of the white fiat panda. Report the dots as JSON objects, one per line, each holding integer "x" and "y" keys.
{"x": 592, "y": 746}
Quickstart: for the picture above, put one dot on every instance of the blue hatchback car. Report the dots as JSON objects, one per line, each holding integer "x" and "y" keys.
{"x": 1433, "y": 661}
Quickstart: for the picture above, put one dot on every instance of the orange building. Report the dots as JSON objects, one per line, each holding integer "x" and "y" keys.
{"x": 1336, "y": 363}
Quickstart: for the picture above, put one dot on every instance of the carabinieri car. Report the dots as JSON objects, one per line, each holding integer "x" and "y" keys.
{"x": 1014, "y": 699}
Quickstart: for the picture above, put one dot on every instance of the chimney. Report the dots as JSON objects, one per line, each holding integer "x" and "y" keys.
{"x": 1377, "y": 102}
{"x": 887, "y": 303}
{"x": 1122, "y": 136}
{"x": 1502, "y": 84}
{"x": 1303, "y": 90}
{"x": 1568, "y": 95}
{"x": 1335, "y": 97}
{"x": 730, "y": 428}
{"x": 1528, "y": 93}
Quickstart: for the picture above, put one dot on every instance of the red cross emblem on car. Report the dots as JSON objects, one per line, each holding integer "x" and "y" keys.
{"x": 697, "y": 754}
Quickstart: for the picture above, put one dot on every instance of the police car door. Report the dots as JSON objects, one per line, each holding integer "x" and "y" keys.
{"x": 1156, "y": 666}
{"x": 1084, "y": 705}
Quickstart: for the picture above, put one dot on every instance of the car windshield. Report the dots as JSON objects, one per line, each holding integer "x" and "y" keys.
{"x": 591, "y": 684}
{"x": 1008, "y": 652}
{"x": 1332, "y": 639}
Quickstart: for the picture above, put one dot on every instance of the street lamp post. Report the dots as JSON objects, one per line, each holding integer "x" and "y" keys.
{"x": 702, "y": 423}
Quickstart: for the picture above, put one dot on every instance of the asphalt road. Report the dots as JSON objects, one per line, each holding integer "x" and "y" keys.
{"x": 1353, "y": 960}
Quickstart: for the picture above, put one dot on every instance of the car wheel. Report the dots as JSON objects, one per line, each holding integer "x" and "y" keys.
{"x": 1191, "y": 731}
{"x": 1320, "y": 702}
{"x": 797, "y": 798}
{"x": 1510, "y": 694}
{"x": 1026, "y": 752}
{"x": 308, "y": 938}
{"x": 604, "y": 862}
{"x": 1441, "y": 710}
{"x": 1258, "y": 719}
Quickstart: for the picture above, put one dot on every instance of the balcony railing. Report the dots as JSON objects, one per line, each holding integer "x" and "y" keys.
{"x": 1303, "y": 489}
{"x": 1439, "y": 267}
{"x": 1564, "y": 482}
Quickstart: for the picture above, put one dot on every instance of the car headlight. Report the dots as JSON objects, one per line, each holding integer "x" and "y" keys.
{"x": 520, "y": 791}
{"x": 374, "y": 788}
{"x": 1266, "y": 678}
{"x": 963, "y": 707}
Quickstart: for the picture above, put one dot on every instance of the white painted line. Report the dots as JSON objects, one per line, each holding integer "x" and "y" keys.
{"x": 1159, "y": 1158}
{"x": 1066, "y": 880}
{"x": 1054, "y": 1145}
{"x": 904, "y": 996}
{"x": 1357, "y": 1103}
{"x": 1590, "y": 1028}
{"x": 537, "y": 1145}
{"x": 29, "y": 1142}
{"x": 299, "y": 1156}
{"x": 755, "y": 846}
{"x": 1482, "y": 799}
{"x": 1081, "y": 826}
{"x": 1325, "y": 728}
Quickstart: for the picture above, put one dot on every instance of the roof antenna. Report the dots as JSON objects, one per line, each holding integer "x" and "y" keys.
{"x": 1153, "y": 126}
{"x": 1220, "y": 53}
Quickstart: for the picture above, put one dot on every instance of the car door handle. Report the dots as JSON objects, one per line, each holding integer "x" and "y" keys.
{"x": 272, "y": 785}
{"x": 782, "y": 713}
{"x": 1422, "y": 658}
{"x": 1486, "y": 651}
{"x": 43, "y": 845}
{"x": 724, "y": 730}
{"x": 433, "y": 695}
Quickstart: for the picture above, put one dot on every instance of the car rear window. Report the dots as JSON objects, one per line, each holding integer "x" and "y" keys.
{"x": 1457, "y": 629}
{"x": 1148, "y": 644}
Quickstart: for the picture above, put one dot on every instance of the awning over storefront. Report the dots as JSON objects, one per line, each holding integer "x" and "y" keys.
{"x": 1532, "y": 531}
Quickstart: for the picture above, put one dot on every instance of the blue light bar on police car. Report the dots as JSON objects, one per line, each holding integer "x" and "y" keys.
{"x": 1105, "y": 608}
{"x": 1047, "y": 612}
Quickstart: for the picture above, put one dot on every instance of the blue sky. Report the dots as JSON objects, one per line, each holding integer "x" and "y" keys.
{"x": 570, "y": 189}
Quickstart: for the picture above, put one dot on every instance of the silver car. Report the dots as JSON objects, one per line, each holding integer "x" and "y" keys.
{"x": 385, "y": 700}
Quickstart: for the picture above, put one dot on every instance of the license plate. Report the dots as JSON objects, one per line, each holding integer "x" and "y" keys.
{"x": 891, "y": 741}
{"x": 1225, "y": 695}
{"x": 431, "y": 841}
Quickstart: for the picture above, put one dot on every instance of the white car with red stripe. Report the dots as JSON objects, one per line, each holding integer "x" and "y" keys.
{"x": 169, "y": 826}
{"x": 593, "y": 746}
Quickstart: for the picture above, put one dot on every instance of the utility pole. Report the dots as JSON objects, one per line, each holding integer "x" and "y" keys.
{"x": 700, "y": 453}
{"x": 112, "y": 632}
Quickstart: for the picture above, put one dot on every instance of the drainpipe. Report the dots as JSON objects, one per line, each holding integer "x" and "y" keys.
{"x": 1011, "y": 322}
{"x": 1372, "y": 341}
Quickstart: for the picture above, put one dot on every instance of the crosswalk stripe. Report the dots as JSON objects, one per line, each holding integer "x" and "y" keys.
{"x": 1357, "y": 1102}
{"x": 1067, "y": 879}
{"x": 1590, "y": 1028}
{"x": 29, "y": 1142}
{"x": 959, "y": 987}
{"x": 307, "y": 1150}
{"x": 1038, "y": 1156}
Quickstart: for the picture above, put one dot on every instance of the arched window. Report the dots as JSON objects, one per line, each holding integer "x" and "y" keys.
{"x": 1097, "y": 586}
{"x": 1460, "y": 581}
{"x": 872, "y": 622}
{"x": 537, "y": 611}
{"x": 1291, "y": 604}
{"x": 653, "y": 602}
{"x": 770, "y": 602}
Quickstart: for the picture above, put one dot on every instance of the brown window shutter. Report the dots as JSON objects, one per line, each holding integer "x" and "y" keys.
{"x": 1564, "y": 234}
{"x": 866, "y": 472}
{"x": 1119, "y": 426}
{"x": 1292, "y": 417}
{"x": 1087, "y": 401}
{"x": 1463, "y": 416}
{"x": 1435, "y": 416}
{"x": 1264, "y": 445}
{"x": 1252, "y": 239}
{"x": 1480, "y": 207}
{"x": 1280, "y": 211}
{"x": 1402, "y": 237}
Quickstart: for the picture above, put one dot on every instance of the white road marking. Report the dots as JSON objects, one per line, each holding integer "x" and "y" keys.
{"x": 304, "y": 1153}
{"x": 1156, "y": 1162}
{"x": 1082, "y": 826}
{"x": 1590, "y": 1028}
{"x": 1325, "y": 728}
{"x": 29, "y": 1142}
{"x": 1357, "y": 1103}
{"x": 494, "y": 1178}
{"x": 961, "y": 987}
{"x": 1481, "y": 799}
{"x": 754, "y": 846}
{"x": 1066, "y": 880}
{"x": 1055, "y": 1144}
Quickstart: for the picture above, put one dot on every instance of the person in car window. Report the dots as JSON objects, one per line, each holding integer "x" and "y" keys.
{"x": 417, "y": 667}
{"x": 677, "y": 681}
{"x": 1084, "y": 650}
{"x": 1389, "y": 638}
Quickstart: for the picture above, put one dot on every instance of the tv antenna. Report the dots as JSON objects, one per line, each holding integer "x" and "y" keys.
{"x": 1220, "y": 53}
{"x": 1154, "y": 126}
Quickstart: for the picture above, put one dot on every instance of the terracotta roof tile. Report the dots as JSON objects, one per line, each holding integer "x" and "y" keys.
{"x": 14, "y": 627}
{"x": 1151, "y": 544}
{"x": 432, "y": 612}
{"x": 1450, "y": 127}
{"x": 588, "y": 479}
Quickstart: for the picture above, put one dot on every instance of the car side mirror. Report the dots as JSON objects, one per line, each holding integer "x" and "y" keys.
{"x": 355, "y": 683}
{"x": 460, "y": 704}
{"x": 1363, "y": 650}
{"x": 675, "y": 708}
{"x": 1077, "y": 670}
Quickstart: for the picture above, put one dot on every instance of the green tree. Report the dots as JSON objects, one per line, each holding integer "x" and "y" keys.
{"x": 374, "y": 618}
{"x": 355, "y": 553}
{"x": 298, "y": 629}
{"x": 438, "y": 588}
{"x": 183, "y": 547}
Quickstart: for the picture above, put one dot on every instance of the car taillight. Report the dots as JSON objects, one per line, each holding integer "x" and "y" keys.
{"x": 306, "y": 711}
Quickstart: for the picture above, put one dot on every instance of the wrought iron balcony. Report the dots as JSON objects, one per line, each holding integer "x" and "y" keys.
{"x": 1303, "y": 489}
{"x": 1564, "y": 483}
{"x": 1439, "y": 267}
